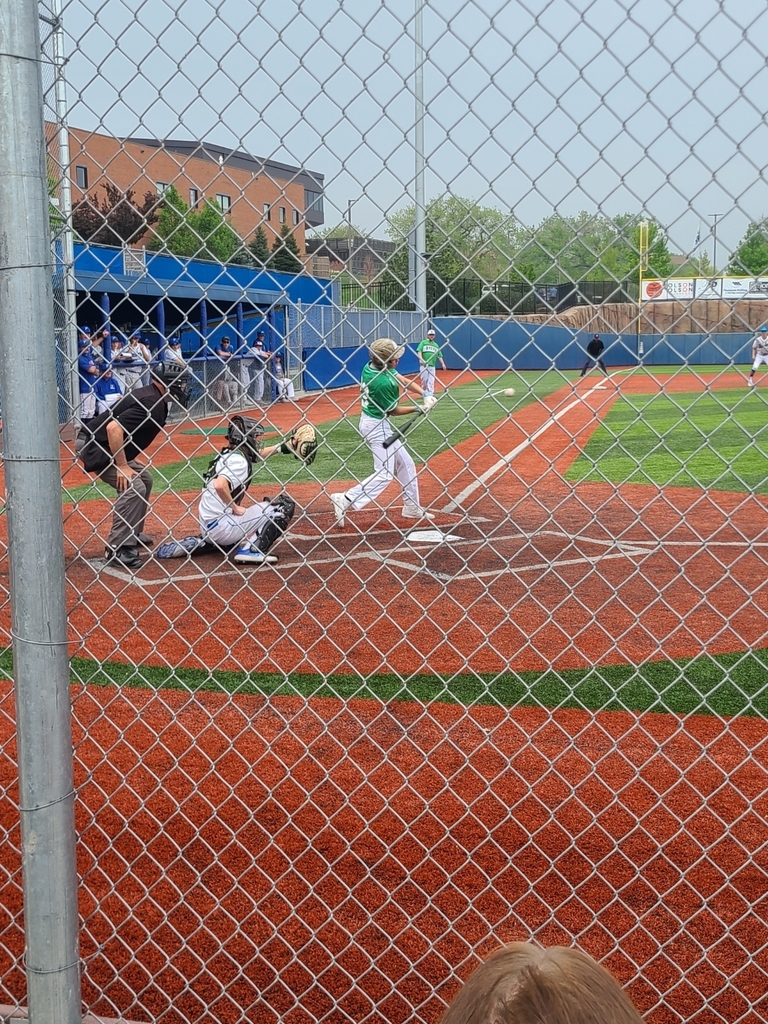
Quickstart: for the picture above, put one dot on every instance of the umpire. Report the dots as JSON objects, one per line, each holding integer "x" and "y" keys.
{"x": 595, "y": 349}
{"x": 109, "y": 445}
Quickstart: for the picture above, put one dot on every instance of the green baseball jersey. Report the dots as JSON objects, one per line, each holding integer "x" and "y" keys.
{"x": 429, "y": 351}
{"x": 381, "y": 391}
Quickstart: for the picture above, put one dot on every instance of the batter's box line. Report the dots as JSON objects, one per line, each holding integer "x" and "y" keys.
{"x": 97, "y": 564}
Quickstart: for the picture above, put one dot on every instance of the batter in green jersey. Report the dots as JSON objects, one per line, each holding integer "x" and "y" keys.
{"x": 381, "y": 390}
{"x": 429, "y": 353}
{"x": 380, "y": 384}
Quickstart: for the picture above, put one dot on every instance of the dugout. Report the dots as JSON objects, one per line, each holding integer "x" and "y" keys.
{"x": 165, "y": 295}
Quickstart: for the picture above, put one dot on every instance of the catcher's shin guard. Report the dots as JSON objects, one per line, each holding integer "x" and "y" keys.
{"x": 281, "y": 511}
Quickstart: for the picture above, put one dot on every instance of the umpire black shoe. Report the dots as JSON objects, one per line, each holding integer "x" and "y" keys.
{"x": 125, "y": 557}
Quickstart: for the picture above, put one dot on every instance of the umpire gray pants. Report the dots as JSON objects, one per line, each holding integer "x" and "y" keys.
{"x": 131, "y": 506}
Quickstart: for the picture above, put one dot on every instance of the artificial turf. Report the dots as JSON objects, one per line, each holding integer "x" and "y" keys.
{"x": 460, "y": 413}
{"x": 723, "y": 685}
{"x": 716, "y": 440}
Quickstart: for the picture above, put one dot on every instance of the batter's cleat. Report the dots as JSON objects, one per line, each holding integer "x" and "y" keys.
{"x": 340, "y": 504}
{"x": 124, "y": 557}
{"x": 750, "y": 382}
{"x": 416, "y": 512}
{"x": 247, "y": 555}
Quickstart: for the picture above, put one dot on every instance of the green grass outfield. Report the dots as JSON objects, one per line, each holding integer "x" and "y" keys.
{"x": 459, "y": 414}
{"x": 715, "y": 440}
{"x": 725, "y": 684}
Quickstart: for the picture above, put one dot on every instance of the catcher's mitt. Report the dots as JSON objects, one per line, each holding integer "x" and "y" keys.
{"x": 302, "y": 444}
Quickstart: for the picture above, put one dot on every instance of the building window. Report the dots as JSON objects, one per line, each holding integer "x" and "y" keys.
{"x": 295, "y": 217}
{"x": 281, "y": 211}
{"x": 225, "y": 202}
{"x": 267, "y": 211}
{"x": 194, "y": 198}
{"x": 313, "y": 201}
{"x": 161, "y": 187}
{"x": 81, "y": 176}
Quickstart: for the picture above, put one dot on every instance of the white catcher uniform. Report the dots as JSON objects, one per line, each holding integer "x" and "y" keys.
{"x": 218, "y": 523}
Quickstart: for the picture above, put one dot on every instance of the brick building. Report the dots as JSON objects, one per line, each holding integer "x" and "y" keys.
{"x": 252, "y": 191}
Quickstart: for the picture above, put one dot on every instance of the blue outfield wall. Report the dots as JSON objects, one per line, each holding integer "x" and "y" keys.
{"x": 326, "y": 368}
{"x": 486, "y": 344}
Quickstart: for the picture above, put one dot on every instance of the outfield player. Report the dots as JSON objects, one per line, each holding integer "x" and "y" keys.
{"x": 429, "y": 353}
{"x": 380, "y": 384}
{"x": 759, "y": 353}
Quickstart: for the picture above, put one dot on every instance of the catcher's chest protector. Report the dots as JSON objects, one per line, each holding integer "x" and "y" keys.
{"x": 213, "y": 471}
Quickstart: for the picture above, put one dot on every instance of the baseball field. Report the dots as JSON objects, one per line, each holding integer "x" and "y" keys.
{"x": 322, "y": 791}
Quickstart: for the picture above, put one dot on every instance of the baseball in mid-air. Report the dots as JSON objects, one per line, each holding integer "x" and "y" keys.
{"x": 509, "y": 392}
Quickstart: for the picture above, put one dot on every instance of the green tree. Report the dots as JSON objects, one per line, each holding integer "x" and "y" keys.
{"x": 591, "y": 247}
{"x": 751, "y": 256}
{"x": 202, "y": 234}
{"x": 463, "y": 239}
{"x": 259, "y": 248}
{"x": 286, "y": 256}
{"x": 695, "y": 266}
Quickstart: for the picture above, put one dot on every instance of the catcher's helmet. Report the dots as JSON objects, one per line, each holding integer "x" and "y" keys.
{"x": 175, "y": 378}
{"x": 383, "y": 350}
{"x": 243, "y": 432}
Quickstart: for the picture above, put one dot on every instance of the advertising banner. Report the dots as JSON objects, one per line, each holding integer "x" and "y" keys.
{"x": 674, "y": 288}
{"x": 685, "y": 288}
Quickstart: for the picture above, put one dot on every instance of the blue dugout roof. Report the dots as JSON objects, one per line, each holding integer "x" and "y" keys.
{"x": 101, "y": 268}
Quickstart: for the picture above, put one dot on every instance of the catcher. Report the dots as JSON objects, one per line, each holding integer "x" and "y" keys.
{"x": 225, "y": 522}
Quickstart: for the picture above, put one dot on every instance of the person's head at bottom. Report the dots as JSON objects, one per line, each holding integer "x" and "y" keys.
{"x": 526, "y": 984}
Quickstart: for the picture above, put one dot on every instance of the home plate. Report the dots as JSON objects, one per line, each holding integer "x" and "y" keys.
{"x": 430, "y": 537}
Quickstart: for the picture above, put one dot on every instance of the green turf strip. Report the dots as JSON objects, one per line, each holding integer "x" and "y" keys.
{"x": 724, "y": 684}
{"x": 715, "y": 440}
{"x": 460, "y": 413}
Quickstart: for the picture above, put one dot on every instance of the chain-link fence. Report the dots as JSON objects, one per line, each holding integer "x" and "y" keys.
{"x": 345, "y": 723}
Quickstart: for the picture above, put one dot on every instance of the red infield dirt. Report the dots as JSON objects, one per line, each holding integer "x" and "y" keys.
{"x": 253, "y": 858}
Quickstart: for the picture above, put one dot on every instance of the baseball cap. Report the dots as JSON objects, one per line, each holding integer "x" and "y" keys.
{"x": 84, "y": 330}
{"x": 763, "y": 329}
{"x": 431, "y": 331}
{"x": 82, "y": 342}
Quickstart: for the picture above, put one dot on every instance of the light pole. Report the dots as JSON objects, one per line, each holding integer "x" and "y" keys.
{"x": 715, "y": 217}
{"x": 350, "y": 232}
{"x": 420, "y": 231}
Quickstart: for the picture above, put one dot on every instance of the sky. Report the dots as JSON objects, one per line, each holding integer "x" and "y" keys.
{"x": 534, "y": 107}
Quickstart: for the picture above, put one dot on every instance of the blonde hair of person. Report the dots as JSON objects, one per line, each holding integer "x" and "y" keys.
{"x": 526, "y": 984}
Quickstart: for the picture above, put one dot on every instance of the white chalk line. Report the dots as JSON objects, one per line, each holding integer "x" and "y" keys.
{"x": 506, "y": 459}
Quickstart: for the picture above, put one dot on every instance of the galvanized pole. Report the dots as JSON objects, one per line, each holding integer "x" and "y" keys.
{"x": 35, "y": 537}
{"x": 65, "y": 193}
{"x": 419, "y": 205}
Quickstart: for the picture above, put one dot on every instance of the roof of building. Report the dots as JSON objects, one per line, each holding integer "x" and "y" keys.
{"x": 226, "y": 157}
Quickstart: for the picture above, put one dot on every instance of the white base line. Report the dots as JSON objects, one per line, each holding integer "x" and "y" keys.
{"x": 505, "y": 461}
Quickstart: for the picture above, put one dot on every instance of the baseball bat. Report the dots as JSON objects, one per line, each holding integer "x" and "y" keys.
{"x": 400, "y": 432}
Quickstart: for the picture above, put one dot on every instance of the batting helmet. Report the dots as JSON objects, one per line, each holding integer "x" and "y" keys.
{"x": 383, "y": 350}
{"x": 243, "y": 432}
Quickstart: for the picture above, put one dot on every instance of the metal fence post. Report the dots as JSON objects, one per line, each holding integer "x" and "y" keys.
{"x": 35, "y": 536}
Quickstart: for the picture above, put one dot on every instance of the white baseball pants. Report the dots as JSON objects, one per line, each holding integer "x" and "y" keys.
{"x": 230, "y": 529}
{"x": 428, "y": 375}
{"x": 388, "y": 464}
